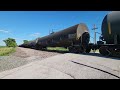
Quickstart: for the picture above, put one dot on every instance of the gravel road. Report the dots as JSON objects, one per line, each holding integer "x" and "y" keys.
{"x": 26, "y": 52}
{"x": 9, "y": 62}
{"x": 67, "y": 66}
{"x": 35, "y": 64}
{"x": 23, "y": 56}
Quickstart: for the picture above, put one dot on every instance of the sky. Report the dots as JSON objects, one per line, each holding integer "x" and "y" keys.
{"x": 29, "y": 25}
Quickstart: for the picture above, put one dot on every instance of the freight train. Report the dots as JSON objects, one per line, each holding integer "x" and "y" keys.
{"x": 109, "y": 44}
{"x": 77, "y": 37}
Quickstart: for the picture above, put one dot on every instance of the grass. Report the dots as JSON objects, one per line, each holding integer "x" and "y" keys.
{"x": 57, "y": 49}
{"x": 5, "y": 51}
{"x": 64, "y": 49}
{"x": 96, "y": 51}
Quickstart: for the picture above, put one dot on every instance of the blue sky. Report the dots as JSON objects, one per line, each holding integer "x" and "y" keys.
{"x": 28, "y": 25}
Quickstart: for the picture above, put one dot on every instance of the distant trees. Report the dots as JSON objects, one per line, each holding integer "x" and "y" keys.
{"x": 10, "y": 42}
{"x": 25, "y": 41}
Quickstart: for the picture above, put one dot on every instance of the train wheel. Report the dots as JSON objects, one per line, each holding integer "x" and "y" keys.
{"x": 71, "y": 49}
{"x": 76, "y": 50}
{"x": 37, "y": 47}
{"x": 115, "y": 52}
{"x": 118, "y": 52}
{"x": 88, "y": 50}
{"x": 104, "y": 50}
{"x": 81, "y": 49}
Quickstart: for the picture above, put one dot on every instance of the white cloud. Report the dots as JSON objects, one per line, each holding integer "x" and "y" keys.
{"x": 35, "y": 34}
{"x": 4, "y": 31}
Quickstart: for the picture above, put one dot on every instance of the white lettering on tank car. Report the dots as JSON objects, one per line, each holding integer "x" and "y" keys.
{"x": 70, "y": 36}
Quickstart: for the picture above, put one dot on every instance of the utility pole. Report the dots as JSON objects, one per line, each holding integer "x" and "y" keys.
{"x": 98, "y": 33}
{"x": 94, "y": 28}
{"x": 92, "y": 38}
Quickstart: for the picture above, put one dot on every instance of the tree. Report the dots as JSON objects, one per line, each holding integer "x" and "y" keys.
{"x": 25, "y": 41}
{"x": 10, "y": 42}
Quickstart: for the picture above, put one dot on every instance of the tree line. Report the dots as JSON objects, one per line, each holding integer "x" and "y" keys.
{"x": 10, "y": 42}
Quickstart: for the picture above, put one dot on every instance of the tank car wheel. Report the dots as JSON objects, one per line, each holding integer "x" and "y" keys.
{"x": 104, "y": 50}
{"x": 88, "y": 50}
{"x": 76, "y": 50}
{"x": 71, "y": 49}
{"x": 118, "y": 52}
{"x": 81, "y": 49}
{"x": 115, "y": 52}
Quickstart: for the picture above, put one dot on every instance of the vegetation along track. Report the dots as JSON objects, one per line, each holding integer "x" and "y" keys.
{"x": 4, "y": 51}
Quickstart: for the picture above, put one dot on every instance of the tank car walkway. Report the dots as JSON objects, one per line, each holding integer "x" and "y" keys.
{"x": 67, "y": 66}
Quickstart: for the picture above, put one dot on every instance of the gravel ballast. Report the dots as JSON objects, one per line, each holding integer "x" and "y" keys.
{"x": 23, "y": 56}
{"x": 10, "y": 62}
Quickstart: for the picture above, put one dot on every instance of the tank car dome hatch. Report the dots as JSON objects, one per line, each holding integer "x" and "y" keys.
{"x": 111, "y": 27}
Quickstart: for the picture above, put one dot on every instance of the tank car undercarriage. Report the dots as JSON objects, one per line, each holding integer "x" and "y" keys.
{"x": 110, "y": 50}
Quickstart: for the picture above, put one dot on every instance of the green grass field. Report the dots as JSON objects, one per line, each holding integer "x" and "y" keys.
{"x": 96, "y": 51}
{"x": 57, "y": 49}
{"x": 64, "y": 49}
{"x": 5, "y": 51}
